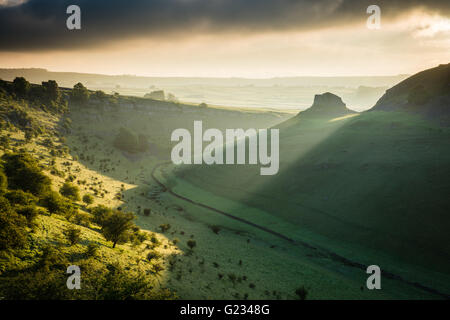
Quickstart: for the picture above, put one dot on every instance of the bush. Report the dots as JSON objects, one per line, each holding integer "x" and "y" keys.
{"x": 88, "y": 199}
{"x": 164, "y": 227}
{"x": 146, "y": 212}
{"x": 215, "y": 229}
{"x": 92, "y": 249}
{"x": 56, "y": 204}
{"x": 30, "y": 213}
{"x": 70, "y": 191}
{"x": 73, "y": 235}
{"x": 24, "y": 173}
{"x": 18, "y": 197}
{"x": 81, "y": 219}
{"x": 191, "y": 244}
{"x": 301, "y": 292}
{"x": 127, "y": 141}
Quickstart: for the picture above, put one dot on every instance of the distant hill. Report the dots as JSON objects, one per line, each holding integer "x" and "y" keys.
{"x": 427, "y": 92}
{"x": 294, "y": 93}
{"x": 37, "y": 75}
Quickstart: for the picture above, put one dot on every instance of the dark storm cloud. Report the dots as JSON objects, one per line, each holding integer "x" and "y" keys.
{"x": 41, "y": 24}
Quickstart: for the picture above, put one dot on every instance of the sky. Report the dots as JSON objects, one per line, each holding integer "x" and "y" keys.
{"x": 226, "y": 38}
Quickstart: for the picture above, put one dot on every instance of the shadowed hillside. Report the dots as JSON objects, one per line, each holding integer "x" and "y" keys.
{"x": 426, "y": 93}
{"x": 371, "y": 186}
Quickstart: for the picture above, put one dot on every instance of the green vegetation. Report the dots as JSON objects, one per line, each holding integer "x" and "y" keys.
{"x": 70, "y": 191}
{"x": 23, "y": 173}
{"x": 117, "y": 226}
{"x": 127, "y": 141}
{"x": 88, "y": 199}
{"x": 80, "y": 94}
{"x": 73, "y": 235}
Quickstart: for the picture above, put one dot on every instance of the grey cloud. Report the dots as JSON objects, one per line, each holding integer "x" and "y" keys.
{"x": 41, "y": 24}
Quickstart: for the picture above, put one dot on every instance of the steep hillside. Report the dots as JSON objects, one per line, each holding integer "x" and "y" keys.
{"x": 427, "y": 93}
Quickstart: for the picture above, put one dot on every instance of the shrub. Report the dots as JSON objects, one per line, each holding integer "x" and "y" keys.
{"x": 73, "y": 235}
{"x": 24, "y": 173}
{"x": 56, "y": 204}
{"x": 70, "y": 191}
{"x": 215, "y": 229}
{"x": 30, "y": 213}
{"x": 100, "y": 214}
{"x": 191, "y": 244}
{"x": 79, "y": 94}
{"x": 81, "y": 219}
{"x": 301, "y": 292}
{"x": 126, "y": 140}
{"x": 146, "y": 212}
{"x": 92, "y": 249}
{"x": 18, "y": 197}
{"x": 88, "y": 199}
{"x": 164, "y": 227}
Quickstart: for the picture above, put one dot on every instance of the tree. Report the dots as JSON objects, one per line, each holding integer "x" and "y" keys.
{"x": 88, "y": 199}
{"x": 21, "y": 87}
{"x": 117, "y": 226}
{"x": 51, "y": 90}
{"x": 70, "y": 191}
{"x": 80, "y": 93}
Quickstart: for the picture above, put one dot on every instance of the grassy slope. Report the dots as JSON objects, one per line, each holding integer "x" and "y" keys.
{"x": 372, "y": 187}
